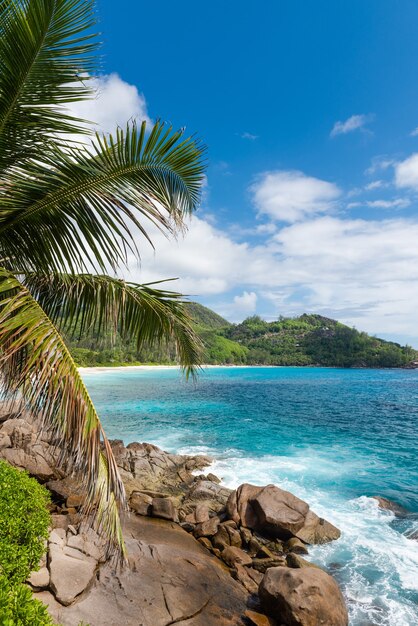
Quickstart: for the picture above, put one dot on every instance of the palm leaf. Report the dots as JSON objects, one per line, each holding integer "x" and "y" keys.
{"x": 80, "y": 303}
{"x": 36, "y": 365}
{"x": 46, "y": 51}
{"x": 76, "y": 209}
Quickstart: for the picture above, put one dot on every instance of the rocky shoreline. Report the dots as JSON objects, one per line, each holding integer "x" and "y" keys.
{"x": 199, "y": 554}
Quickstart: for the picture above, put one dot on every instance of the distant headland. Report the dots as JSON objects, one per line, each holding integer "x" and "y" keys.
{"x": 307, "y": 340}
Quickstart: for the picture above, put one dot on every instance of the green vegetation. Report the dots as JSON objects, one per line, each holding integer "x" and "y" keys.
{"x": 67, "y": 207}
{"x": 305, "y": 340}
{"x": 315, "y": 340}
{"x": 24, "y": 521}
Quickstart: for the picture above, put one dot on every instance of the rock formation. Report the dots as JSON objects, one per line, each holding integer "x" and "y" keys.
{"x": 198, "y": 552}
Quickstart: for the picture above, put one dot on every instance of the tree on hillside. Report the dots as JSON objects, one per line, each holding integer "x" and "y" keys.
{"x": 66, "y": 208}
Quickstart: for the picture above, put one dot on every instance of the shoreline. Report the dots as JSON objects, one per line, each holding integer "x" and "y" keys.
{"x": 109, "y": 368}
{"x": 106, "y": 368}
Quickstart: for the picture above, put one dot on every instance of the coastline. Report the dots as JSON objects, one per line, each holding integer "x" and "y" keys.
{"x": 109, "y": 368}
{"x": 106, "y": 368}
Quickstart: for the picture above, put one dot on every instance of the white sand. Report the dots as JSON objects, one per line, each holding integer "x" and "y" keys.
{"x": 153, "y": 367}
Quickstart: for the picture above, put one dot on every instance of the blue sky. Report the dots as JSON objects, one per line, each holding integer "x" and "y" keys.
{"x": 308, "y": 110}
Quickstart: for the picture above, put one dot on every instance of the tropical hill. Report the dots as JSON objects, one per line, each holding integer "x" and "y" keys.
{"x": 304, "y": 340}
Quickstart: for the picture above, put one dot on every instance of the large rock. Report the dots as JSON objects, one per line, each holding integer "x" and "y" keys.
{"x": 145, "y": 467}
{"x": 171, "y": 579}
{"x": 302, "y": 597}
{"x": 39, "y": 579}
{"x": 239, "y": 506}
{"x": 21, "y": 447}
{"x": 278, "y": 513}
{"x": 164, "y": 508}
{"x": 388, "y": 505}
{"x": 317, "y": 530}
{"x": 71, "y": 572}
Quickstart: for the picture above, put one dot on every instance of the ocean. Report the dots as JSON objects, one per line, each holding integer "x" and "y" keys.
{"x": 334, "y": 437}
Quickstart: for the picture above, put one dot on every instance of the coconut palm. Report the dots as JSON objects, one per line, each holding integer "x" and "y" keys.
{"x": 70, "y": 214}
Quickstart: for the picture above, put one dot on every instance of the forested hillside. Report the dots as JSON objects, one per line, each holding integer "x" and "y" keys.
{"x": 305, "y": 340}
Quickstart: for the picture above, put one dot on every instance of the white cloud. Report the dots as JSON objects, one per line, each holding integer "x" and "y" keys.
{"x": 355, "y": 122}
{"x": 291, "y": 195}
{"x": 364, "y": 273}
{"x": 406, "y": 172}
{"x": 249, "y": 136}
{"x": 397, "y": 203}
{"x": 414, "y": 132}
{"x": 115, "y": 103}
{"x": 380, "y": 163}
{"x": 246, "y": 303}
{"x": 375, "y": 184}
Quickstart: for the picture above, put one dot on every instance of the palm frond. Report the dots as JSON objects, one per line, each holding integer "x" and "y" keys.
{"x": 76, "y": 210}
{"x": 46, "y": 55}
{"x": 36, "y": 365}
{"x": 98, "y": 304}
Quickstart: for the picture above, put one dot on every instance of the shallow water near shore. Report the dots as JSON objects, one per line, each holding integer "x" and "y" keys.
{"x": 333, "y": 437}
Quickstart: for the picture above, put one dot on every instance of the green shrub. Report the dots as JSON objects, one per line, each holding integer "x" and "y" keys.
{"x": 24, "y": 521}
{"x": 19, "y": 608}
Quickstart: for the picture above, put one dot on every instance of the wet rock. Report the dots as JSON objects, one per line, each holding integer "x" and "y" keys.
{"x": 388, "y": 505}
{"x": 302, "y": 597}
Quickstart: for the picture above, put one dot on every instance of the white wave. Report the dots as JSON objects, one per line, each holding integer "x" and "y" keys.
{"x": 376, "y": 565}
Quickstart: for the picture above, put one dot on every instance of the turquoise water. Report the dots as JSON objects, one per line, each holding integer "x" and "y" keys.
{"x": 333, "y": 437}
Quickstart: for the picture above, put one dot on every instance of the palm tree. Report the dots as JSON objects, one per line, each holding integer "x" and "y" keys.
{"x": 69, "y": 215}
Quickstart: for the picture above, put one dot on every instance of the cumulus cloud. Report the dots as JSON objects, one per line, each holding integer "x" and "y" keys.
{"x": 115, "y": 103}
{"x": 247, "y": 302}
{"x": 406, "y": 172}
{"x": 290, "y": 196}
{"x": 355, "y": 122}
{"x": 363, "y": 272}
